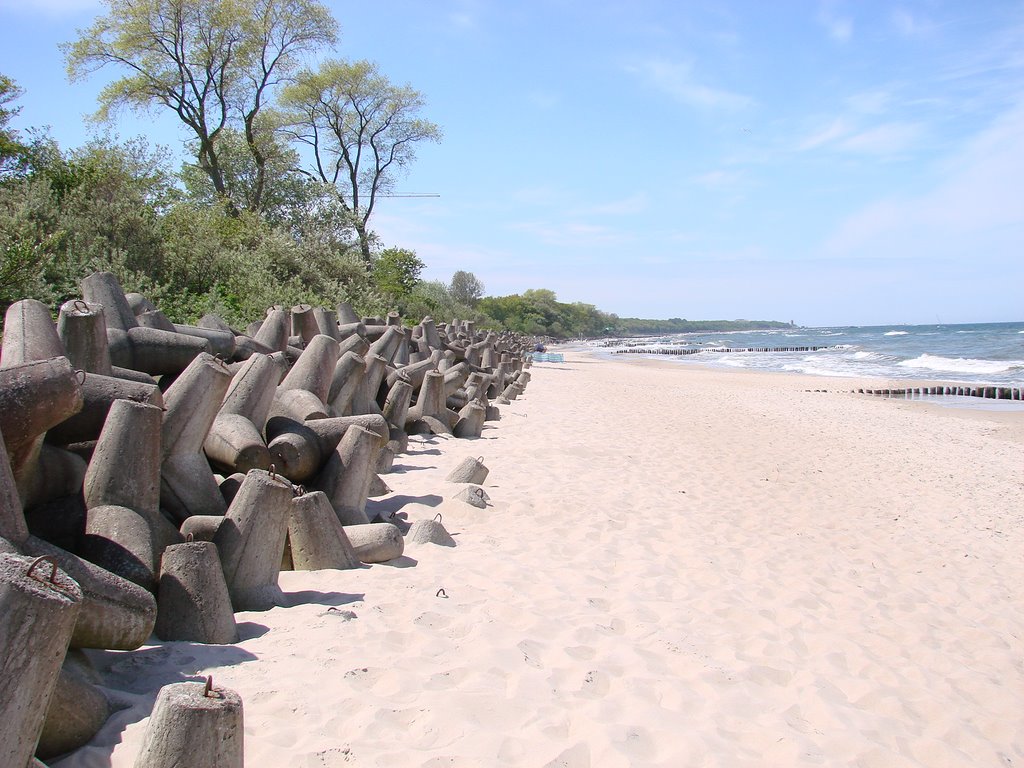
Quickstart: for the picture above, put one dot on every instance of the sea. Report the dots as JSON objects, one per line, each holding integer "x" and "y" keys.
{"x": 979, "y": 353}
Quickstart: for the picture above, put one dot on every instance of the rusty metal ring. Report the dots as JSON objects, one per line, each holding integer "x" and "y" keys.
{"x": 441, "y": 593}
{"x": 272, "y": 472}
{"x": 81, "y": 306}
{"x": 437, "y": 518}
{"x": 80, "y": 376}
{"x": 44, "y": 559}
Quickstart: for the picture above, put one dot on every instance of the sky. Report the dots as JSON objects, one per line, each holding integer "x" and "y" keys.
{"x": 829, "y": 162}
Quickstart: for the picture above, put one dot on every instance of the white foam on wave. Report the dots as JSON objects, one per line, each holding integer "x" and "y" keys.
{"x": 896, "y": 333}
{"x": 961, "y": 364}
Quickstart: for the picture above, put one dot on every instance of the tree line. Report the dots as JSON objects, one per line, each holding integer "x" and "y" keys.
{"x": 286, "y": 161}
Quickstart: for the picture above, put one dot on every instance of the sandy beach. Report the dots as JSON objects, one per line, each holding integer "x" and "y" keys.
{"x": 678, "y": 567}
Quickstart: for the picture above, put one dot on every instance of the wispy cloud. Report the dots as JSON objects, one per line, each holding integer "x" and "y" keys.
{"x": 572, "y": 233}
{"x": 910, "y": 24}
{"x": 838, "y": 26}
{"x": 626, "y": 206}
{"x": 976, "y": 208}
{"x": 718, "y": 179}
{"x": 835, "y": 130}
{"x": 677, "y": 79}
{"x": 885, "y": 139}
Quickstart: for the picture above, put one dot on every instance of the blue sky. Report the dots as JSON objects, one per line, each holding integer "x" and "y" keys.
{"x": 827, "y": 162}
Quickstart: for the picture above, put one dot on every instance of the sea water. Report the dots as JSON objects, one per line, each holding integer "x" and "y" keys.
{"x": 982, "y": 353}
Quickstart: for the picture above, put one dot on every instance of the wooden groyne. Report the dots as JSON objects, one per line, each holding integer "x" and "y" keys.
{"x": 697, "y": 350}
{"x": 991, "y": 393}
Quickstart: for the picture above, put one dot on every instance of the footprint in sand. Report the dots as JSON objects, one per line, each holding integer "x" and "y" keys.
{"x": 531, "y": 653}
{"x": 595, "y": 685}
{"x": 577, "y": 756}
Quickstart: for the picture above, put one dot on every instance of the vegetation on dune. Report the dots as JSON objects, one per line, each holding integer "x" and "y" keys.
{"x": 286, "y": 164}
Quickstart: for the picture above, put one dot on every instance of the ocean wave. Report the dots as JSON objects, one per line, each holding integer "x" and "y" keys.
{"x": 961, "y": 364}
{"x": 896, "y": 333}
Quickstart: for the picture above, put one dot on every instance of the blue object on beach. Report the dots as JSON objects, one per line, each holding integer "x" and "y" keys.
{"x": 548, "y": 357}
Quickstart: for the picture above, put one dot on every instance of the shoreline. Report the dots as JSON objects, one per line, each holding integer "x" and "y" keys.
{"x": 677, "y": 566}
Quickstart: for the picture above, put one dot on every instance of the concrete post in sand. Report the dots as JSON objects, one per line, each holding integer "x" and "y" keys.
{"x": 29, "y": 334}
{"x": 345, "y": 382}
{"x": 83, "y": 331}
{"x": 304, "y": 323}
{"x": 469, "y": 470}
{"x": 471, "y": 420}
{"x": 429, "y": 532}
{"x": 187, "y": 485}
{"x": 193, "y": 725}
{"x": 235, "y": 441}
{"x": 251, "y": 540}
{"x": 34, "y": 397}
{"x": 348, "y": 473}
{"x": 40, "y": 605}
{"x": 375, "y": 542}
{"x": 316, "y": 535}
{"x": 193, "y": 602}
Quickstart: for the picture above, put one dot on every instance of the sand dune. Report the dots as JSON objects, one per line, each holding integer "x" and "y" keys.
{"x": 678, "y": 567}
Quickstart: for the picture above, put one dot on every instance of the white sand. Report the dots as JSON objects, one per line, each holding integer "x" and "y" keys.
{"x": 680, "y": 567}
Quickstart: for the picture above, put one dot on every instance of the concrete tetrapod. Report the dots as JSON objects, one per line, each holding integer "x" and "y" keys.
{"x": 77, "y": 711}
{"x": 303, "y": 393}
{"x": 316, "y": 537}
{"x": 429, "y": 414}
{"x": 125, "y": 472}
{"x": 34, "y": 397}
{"x": 40, "y": 605}
{"x": 273, "y": 332}
{"x": 83, "y": 331}
{"x": 187, "y": 486}
{"x": 345, "y": 382}
{"x": 349, "y": 471}
{"x": 376, "y": 542}
{"x": 235, "y": 441}
{"x": 99, "y": 393}
{"x": 365, "y": 398}
{"x": 194, "y": 725}
{"x": 116, "y": 613}
{"x": 251, "y": 539}
{"x": 300, "y": 449}
{"x": 471, "y": 420}
{"x": 119, "y": 540}
{"x": 193, "y": 602}
{"x": 29, "y": 334}
{"x": 13, "y": 527}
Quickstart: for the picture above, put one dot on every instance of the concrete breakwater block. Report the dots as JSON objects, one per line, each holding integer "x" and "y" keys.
{"x": 115, "y": 614}
{"x": 193, "y": 602}
{"x": 349, "y": 472}
{"x": 429, "y": 532}
{"x": 469, "y": 470}
{"x": 473, "y": 495}
{"x": 40, "y": 605}
{"x": 119, "y": 540}
{"x": 251, "y": 539}
{"x": 77, "y": 711}
{"x": 194, "y": 725}
{"x": 235, "y": 441}
{"x": 316, "y": 536}
{"x": 29, "y": 334}
{"x": 376, "y": 542}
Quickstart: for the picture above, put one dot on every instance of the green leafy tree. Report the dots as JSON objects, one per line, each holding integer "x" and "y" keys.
{"x": 396, "y": 271}
{"x": 466, "y": 288}
{"x": 362, "y": 131}
{"x": 11, "y": 149}
{"x": 213, "y": 63}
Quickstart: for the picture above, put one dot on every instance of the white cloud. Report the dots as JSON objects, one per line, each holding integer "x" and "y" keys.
{"x": 838, "y": 26}
{"x": 910, "y": 25}
{"x": 826, "y": 135}
{"x": 886, "y": 139}
{"x": 572, "y": 233}
{"x": 974, "y": 212}
{"x": 677, "y": 80}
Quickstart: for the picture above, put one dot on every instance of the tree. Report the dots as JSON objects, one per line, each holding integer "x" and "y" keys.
{"x": 11, "y": 148}
{"x": 214, "y": 63}
{"x": 396, "y": 272}
{"x": 362, "y": 130}
{"x": 466, "y": 288}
